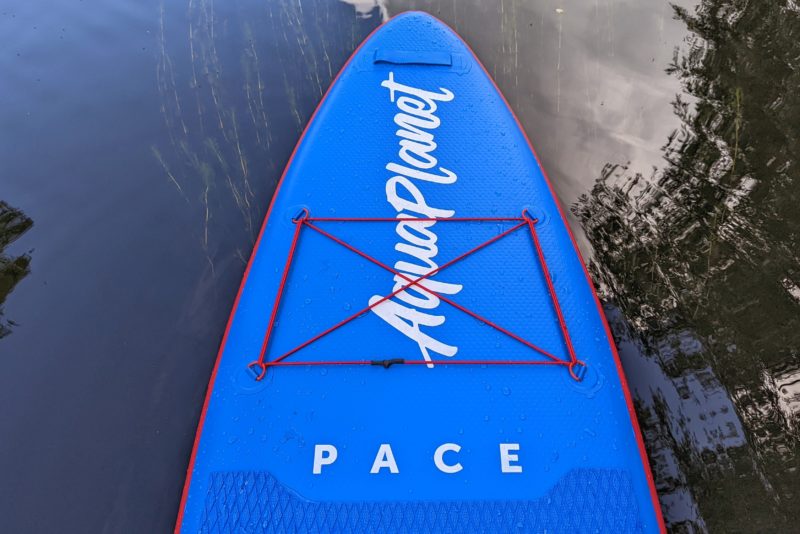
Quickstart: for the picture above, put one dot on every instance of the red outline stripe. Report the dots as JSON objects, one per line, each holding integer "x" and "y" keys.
{"x": 628, "y": 400}
{"x": 213, "y": 378}
{"x": 620, "y": 373}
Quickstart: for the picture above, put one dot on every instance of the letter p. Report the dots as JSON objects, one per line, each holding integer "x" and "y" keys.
{"x": 323, "y": 455}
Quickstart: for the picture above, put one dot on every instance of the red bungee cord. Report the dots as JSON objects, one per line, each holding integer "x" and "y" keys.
{"x": 574, "y": 365}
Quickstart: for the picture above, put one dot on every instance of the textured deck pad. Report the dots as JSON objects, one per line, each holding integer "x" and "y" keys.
{"x": 414, "y": 128}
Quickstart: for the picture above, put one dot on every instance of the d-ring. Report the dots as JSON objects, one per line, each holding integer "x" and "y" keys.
{"x": 263, "y": 367}
{"x": 580, "y": 373}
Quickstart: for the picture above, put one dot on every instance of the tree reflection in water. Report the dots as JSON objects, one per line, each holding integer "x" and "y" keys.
{"x": 701, "y": 257}
{"x": 13, "y": 223}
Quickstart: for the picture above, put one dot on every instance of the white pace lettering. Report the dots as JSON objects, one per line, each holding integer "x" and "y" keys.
{"x": 445, "y": 459}
{"x": 323, "y": 455}
{"x": 506, "y": 458}
{"x": 438, "y": 458}
{"x": 384, "y": 459}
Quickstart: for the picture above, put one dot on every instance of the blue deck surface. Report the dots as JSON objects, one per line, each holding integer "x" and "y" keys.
{"x": 581, "y": 468}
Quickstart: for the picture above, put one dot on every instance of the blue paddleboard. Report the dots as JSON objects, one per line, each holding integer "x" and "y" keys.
{"x": 416, "y": 345}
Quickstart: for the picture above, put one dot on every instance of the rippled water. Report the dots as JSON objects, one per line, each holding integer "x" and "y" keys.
{"x": 141, "y": 142}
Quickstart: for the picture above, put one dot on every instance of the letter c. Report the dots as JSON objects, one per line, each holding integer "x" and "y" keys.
{"x": 323, "y": 455}
{"x": 439, "y": 460}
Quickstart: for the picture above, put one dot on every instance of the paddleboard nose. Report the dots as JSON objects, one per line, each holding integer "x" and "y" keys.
{"x": 429, "y": 354}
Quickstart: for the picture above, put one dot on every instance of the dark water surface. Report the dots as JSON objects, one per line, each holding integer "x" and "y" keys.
{"x": 141, "y": 141}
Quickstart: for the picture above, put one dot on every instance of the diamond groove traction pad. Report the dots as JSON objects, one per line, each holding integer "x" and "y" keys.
{"x": 414, "y": 128}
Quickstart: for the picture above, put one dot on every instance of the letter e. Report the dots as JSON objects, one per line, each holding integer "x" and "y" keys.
{"x": 506, "y": 458}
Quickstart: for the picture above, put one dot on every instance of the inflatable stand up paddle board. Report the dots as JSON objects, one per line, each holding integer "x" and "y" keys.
{"x": 416, "y": 345}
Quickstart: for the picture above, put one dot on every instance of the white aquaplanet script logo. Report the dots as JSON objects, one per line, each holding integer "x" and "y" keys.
{"x": 419, "y": 168}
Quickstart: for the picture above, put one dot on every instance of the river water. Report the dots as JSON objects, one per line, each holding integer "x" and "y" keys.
{"x": 141, "y": 142}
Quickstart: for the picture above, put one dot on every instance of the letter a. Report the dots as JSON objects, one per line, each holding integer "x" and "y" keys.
{"x": 384, "y": 458}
